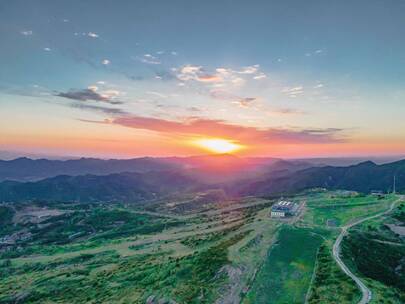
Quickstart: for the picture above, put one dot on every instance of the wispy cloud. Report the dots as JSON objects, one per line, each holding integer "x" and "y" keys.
{"x": 254, "y": 103}
{"x": 316, "y": 52}
{"x": 157, "y": 94}
{"x": 219, "y": 77}
{"x": 188, "y": 72}
{"x": 194, "y": 109}
{"x": 101, "y": 109}
{"x": 260, "y": 76}
{"x": 194, "y": 126}
{"x": 293, "y": 91}
{"x": 209, "y": 78}
{"x": 149, "y": 59}
{"x": 287, "y": 111}
{"x": 108, "y": 96}
{"x": 243, "y": 102}
{"x": 26, "y": 32}
{"x": 92, "y": 35}
{"x": 249, "y": 69}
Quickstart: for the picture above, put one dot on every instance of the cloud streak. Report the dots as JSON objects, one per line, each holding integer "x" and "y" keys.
{"x": 26, "y": 32}
{"x": 101, "y": 109}
{"x": 293, "y": 92}
{"x": 91, "y": 94}
{"x": 194, "y": 126}
{"x": 220, "y": 76}
{"x": 149, "y": 59}
{"x": 243, "y": 102}
{"x": 92, "y": 35}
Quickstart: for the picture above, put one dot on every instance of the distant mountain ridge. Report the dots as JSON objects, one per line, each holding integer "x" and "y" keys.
{"x": 26, "y": 169}
{"x": 119, "y": 187}
{"x": 363, "y": 177}
{"x": 285, "y": 177}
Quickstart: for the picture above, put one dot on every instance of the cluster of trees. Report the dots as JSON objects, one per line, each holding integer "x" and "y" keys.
{"x": 381, "y": 261}
{"x": 6, "y": 215}
{"x": 328, "y": 279}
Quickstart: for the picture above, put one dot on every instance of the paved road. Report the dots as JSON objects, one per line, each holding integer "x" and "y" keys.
{"x": 366, "y": 293}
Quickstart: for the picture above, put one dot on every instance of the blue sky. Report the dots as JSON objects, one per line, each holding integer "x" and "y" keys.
{"x": 324, "y": 76}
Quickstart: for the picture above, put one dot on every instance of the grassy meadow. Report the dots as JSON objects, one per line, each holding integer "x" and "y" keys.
{"x": 232, "y": 253}
{"x": 286, "y": 274}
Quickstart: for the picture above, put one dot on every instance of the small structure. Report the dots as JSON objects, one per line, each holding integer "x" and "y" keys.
{"x": 377, "y": 193}
{"x": 346, "y": 193}
{"x": 284, "y": 209}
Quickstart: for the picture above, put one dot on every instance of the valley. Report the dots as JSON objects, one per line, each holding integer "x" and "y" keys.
{"x": 232, "y": 252}
{"x": 202, "y": 152}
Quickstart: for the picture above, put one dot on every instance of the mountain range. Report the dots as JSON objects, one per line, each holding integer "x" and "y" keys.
{"x": 127, "y": 187}
{"x": 364, "y": 177}
{"x": 147, "y": 178}
{"x": 27, "y": 169}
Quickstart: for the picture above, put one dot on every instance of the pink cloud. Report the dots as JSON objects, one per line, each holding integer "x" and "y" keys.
{"x": 219, "y": 128}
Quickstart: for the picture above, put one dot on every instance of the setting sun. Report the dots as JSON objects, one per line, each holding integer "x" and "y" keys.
{"x": 218, "y": 145}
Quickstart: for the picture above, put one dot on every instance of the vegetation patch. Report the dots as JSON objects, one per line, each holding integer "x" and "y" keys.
{"x": 330, "y": 284}
{"x": 78, "y": 230}
{"x": 383, "y": 262}
{"x": 382, "y": 265}
{"x": 6, "y": 216}
{"x": 286, "y": 274}
{"x": 203, "y": 239}
{"x": 106, "y": 277}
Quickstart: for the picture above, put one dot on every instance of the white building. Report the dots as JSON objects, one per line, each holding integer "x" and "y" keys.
{"x": 277, "y": 214}
{"x": 284, "y": 209}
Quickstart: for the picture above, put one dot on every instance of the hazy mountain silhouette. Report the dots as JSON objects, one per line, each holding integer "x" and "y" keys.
{"x": 362, "y": 177}
{"x": 117, "y": 187}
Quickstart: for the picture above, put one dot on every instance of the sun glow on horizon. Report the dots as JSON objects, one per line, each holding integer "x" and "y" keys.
{"x": 217, "y": 145}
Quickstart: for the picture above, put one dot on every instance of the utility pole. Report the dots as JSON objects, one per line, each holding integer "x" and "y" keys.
{"x": 394, "y": 186}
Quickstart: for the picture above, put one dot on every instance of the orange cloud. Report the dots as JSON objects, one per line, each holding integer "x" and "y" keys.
{"x": 221, "y": 129}
{"x": 209, "y": 78}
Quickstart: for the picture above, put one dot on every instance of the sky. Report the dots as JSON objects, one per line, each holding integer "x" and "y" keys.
{"x": 120, "y": 79}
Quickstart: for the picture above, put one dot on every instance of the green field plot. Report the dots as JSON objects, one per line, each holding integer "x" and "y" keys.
{"x": 286, "y": 274}
{"x": 329, "y": 210}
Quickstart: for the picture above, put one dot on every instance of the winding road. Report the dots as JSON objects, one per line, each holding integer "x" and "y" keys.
{"x": 366, "y": 292}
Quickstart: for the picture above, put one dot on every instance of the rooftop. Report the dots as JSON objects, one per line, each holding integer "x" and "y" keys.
{"x": 283, "y": 206}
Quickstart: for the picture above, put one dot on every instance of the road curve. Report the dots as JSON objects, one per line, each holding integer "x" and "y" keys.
{"x": 366, "y": 293}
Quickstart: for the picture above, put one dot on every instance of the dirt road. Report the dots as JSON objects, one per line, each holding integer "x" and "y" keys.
{"x": 366, "y": 292}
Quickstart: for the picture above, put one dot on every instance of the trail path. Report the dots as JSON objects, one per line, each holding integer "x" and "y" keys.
{"x": 366, "y": 292}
